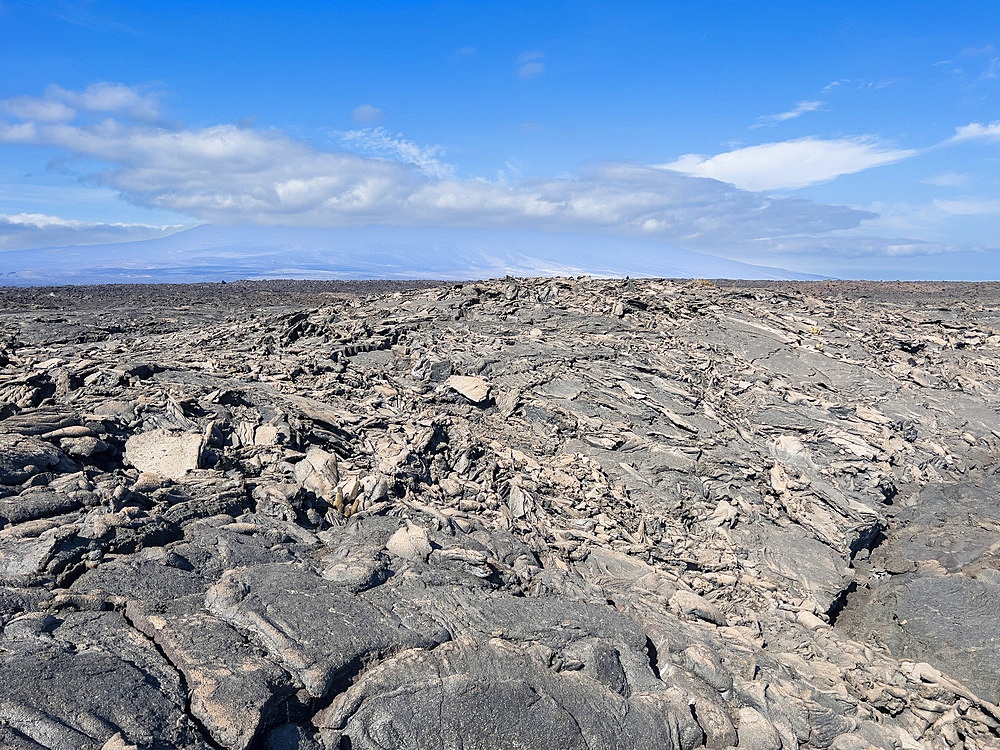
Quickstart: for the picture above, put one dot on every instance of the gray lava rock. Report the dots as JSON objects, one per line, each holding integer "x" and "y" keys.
{"x": 235, "y": 689}
{"x": 23, "y": 456}
{"x": 495, "y": 695}
{"x": 90, "y": 682}
{"x": 948, "y": 620}
{"x": 519, "y": 512}
{"x": 316, "y": 629}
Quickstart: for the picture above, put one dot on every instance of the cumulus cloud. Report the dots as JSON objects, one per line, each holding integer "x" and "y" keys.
{"x": 36, "y": 108}
{"x": 798, "y": 110}
{"x": 114, "y": 98}
{"x": 530, "y": 64}
{"x": 58, "y": 104}
{"x": 366, "y": 113}
{"x": 791, "y": 164}
{"x": 227, "y": 174}
{"x": 977, "y": 131}
{"x": 224, "y": 174}
{"x": 31, "y": 230}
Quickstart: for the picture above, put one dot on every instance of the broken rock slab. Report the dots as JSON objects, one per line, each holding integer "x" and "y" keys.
{"x": 477, "y": 390}
{"x": 169, "y": 454}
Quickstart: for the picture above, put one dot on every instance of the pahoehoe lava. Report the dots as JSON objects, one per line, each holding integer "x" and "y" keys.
{"x": 570, "y": 513}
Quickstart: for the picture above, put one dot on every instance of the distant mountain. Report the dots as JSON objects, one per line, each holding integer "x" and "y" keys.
{"x": 214, "y": 253}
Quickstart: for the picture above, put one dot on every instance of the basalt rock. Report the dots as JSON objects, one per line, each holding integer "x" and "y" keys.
{"x": 514, "y": 513}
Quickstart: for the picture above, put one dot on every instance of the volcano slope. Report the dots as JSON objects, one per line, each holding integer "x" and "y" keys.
{"x": 517, "y": 513}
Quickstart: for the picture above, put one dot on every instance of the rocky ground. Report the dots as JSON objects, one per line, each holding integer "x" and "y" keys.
{"x": 509, "y": 514}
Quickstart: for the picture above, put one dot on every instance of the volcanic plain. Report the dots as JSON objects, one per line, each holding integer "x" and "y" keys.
{"x": 517, "y": 513}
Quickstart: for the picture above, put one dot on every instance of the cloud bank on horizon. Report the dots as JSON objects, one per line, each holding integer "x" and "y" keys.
{"x": 817, "y": 197}
{"x": 225, "y": 174}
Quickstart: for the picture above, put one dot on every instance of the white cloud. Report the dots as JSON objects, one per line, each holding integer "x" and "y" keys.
{"x": 859, "y": 84}
{"x": 226, "y": 174}
{"x": 378, "y": 141}
{"x": 60, "y": 105}
{"x": 462, "y": 53}
{"x": 530, "y": 65}
{"x": 366, "y": 113}
{"x": 114, "y": 98}
{"x": 33, "y": 230}
{"x": 947, "y": 179}
{"x": 32, "y": 108}
{"x": 969, "y": 207}
{"x": 991, "y": 69}
{"x": 792, "y": 164}
{"x": 626, "y": 199}
{"x": 797, "y": 111}
{"x": 839, "y": 245}
{"x": 985, "y": 51}
{"x": 531, "y": 70}
{"x": 977, "y": 131}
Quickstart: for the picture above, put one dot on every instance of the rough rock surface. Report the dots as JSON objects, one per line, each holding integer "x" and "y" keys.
{"x": 162, "y": 452}
{"x": 516, "y": 513}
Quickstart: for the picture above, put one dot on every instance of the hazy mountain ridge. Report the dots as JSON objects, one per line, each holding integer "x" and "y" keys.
{"x": 211, "y": 253}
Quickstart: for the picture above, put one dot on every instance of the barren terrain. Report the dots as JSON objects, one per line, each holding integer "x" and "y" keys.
{"x": 532, "y": 513}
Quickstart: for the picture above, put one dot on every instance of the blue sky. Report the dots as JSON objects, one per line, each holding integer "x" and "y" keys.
{"x": 853, "y": 139}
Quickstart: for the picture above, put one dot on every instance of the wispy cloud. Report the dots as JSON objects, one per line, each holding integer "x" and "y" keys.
{"x": 80, "y": 13}
{"x": 798, "y": 110}
{"x": 947, "y": 179}
{"x": 969, "y": 207}
{"x": 379, "y": 141}
{"x": 860, "y": 84}
{"x": 838, "y": 245}
{"x": 366, "y": 113}
{"x": 530, "y": 64}
{"x": 989, "y": 60}
{"x": 974, "y": 67}
{"x": 461, "y": 54}
{"x": 987, "y": 50}
{"x": 977, "y": 131}
{"x": 786, "y": 165}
